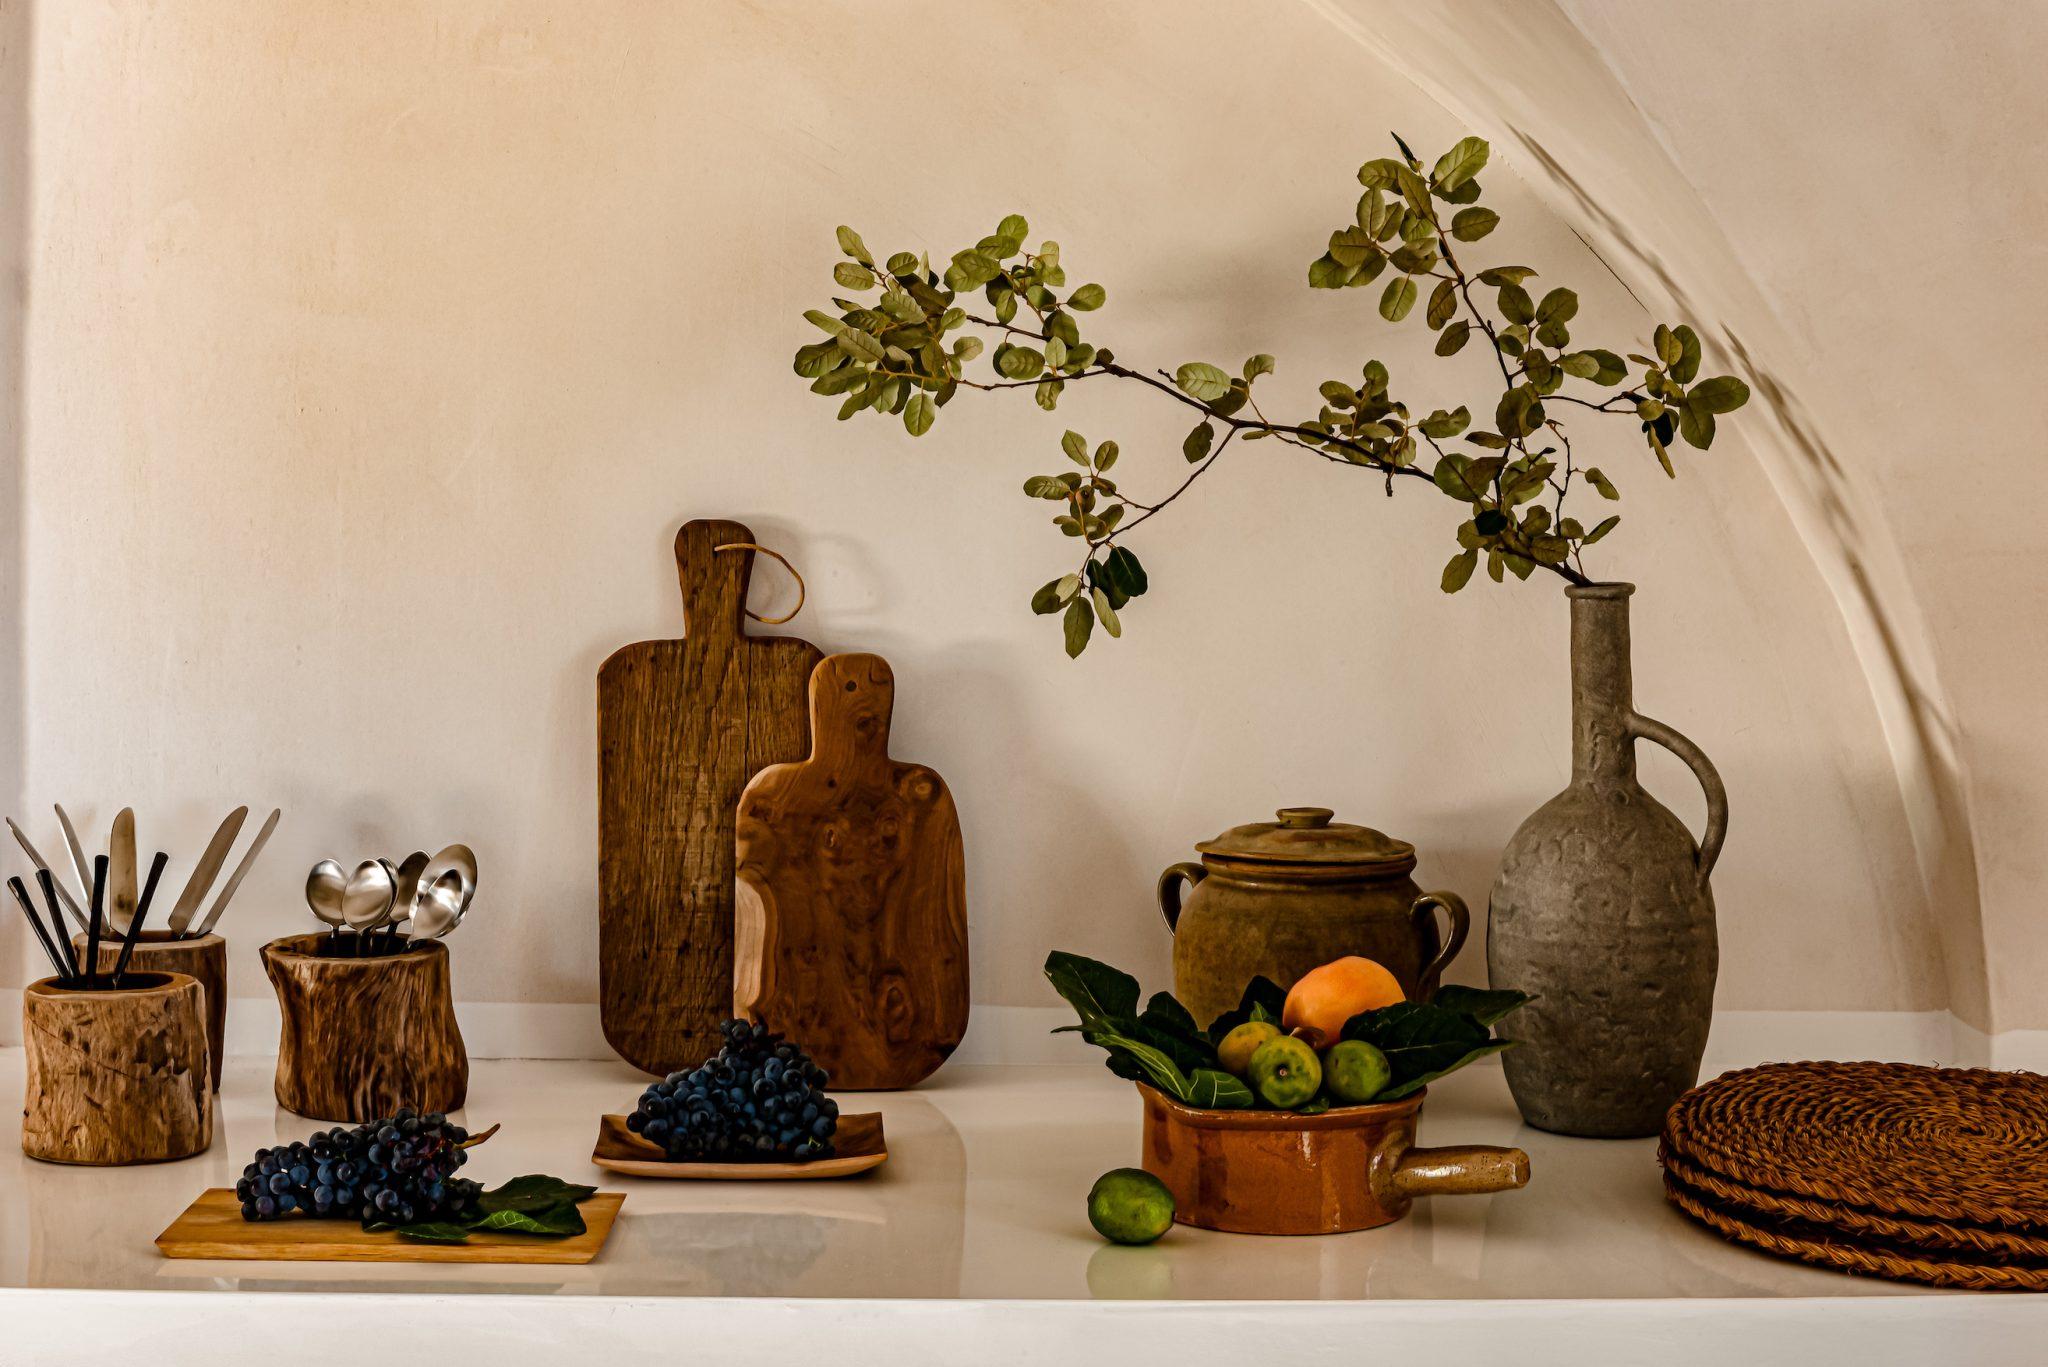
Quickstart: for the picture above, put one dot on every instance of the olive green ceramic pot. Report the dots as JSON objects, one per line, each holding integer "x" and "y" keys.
{"x": 1278, "y": 898}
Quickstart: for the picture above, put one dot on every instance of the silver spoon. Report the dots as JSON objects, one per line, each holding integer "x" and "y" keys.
{"x": 366, "y": 899}
{"x": 439, "y": 908}
{"x": 408, "y": 886}
{"x": 459, "y": 860}
{"x": 325, "y": 887}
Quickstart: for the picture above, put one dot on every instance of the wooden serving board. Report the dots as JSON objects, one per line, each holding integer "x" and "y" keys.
{"x": 852, "y": 898}
{"x": 858, "y": 1146}
{"x": 213, "y": 1227}
{"x": 682, "y": 725}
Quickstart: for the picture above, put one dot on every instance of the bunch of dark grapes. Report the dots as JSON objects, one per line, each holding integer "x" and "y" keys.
{"x": 759, "y": 1097}
{"x": 397, "y": 1171}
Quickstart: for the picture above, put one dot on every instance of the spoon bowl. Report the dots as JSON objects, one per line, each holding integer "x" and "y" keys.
{"x": 326, "y": 887}
{"x": 459, "y": 861}
{"x": 439, "y": 907}
{"x": 366, "y": 900}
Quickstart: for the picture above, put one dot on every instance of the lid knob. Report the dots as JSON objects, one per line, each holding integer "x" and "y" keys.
{"x": 1305, "y": 818}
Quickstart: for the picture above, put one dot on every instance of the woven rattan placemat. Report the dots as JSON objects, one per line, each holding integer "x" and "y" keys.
{"x": 1831, "y": 1248}
{"x": 1952, "y": 1146}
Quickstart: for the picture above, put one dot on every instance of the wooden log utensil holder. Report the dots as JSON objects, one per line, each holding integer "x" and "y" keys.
{"x": 116, "y": 1075}
{"x": 204, "y": 957}
{"x": 363, "y": 1037}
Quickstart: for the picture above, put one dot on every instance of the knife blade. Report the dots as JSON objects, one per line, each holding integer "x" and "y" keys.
{"x": 122, "y": 884}
{"x": 78, "y": 859}
{"x": 220, "y": 903}
{"x": 208, "y": 869}
{"x": 63, "y": 893}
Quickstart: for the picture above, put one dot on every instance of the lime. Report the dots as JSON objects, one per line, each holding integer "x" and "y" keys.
{"x": 1130, "y": 1206}
{"x": 1286, "y": 1073}
{"x": 1356, "y": 1072}
{"x": 1235, "y": 1053}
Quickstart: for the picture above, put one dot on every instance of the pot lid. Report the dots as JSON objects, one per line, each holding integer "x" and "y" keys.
{"x": 1307, "y": 835}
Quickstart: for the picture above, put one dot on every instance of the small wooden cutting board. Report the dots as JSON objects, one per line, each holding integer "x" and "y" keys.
{"x": 851, "y": 920}
{"x": 682, "y": 725}
{"x": 213, "y": 1227}
{"x": 858, "y": 1147}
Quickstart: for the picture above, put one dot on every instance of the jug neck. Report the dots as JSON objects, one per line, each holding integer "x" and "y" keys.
{"x": 1603, "y": 694}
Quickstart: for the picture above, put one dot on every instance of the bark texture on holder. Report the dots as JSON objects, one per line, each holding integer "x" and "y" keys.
{"x": 116, "y": 1076}
{"x": 363, "y": 1037}
{"x": 204, "y": 957}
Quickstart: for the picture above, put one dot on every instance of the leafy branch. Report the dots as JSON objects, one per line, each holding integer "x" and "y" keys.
{"x": 890, "y": 353}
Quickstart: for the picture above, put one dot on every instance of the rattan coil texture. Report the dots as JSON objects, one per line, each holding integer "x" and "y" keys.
{"x": 1966, "y": 1147}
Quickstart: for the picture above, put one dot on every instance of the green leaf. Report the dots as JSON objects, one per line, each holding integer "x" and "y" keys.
{"x": 1472, "y": 224}
{"x": 1087, "y": 298}
{"x": 1722, "y": 394}
{"x": 559, "y": 1221}
{"x": 1261, "y": 364}
{"x": 819, "y": 318}
{"x": 1515, "y": 305}
{"x": 1443, "y": 426}
{"x": 850, "y": 243}
{"x": 1213, "y": 1089}
{"x": 1607, "y": 525}
{"x": 1602, "y": 483}
{"x": 1398, "y": 298}
{"x": 1076, "y": 447}
{"x": 1558, "y": 306}
{"x": 1328, "y": 273}
{"x": 430, "y": 1232}
{"x": 1262, "y": 1000}
{"x": 1460, "y": 164}
{"x": 1669, "y": 349}
{"x": 1453, "y": 338}
{"x": 1013, "y": 226}
{"x": 1481, "y": 1004}
{"x": 1458, "y": 572}
{"x": 1505, "y": 275}
{"x": 1102, "y": 996}
{"x": 1197, "y": 443}
{"x": 853, "y": 277}
{"x": 1443, "y": 304}
{"x": 1125, "y": 571}
{"x": 1688, "y": 363}
{"x": 1048, "y": 599}
{"x": 1055, "y": 353}
{"x": 1696, "y": 424}
{"x": 533, "y": 1192}
{"x": 1200, "y": 380}
{"x": 919, "y": 413}
{"x": 1020, "y": 362}
{"x": 1381, "y": 173}
{"x": 1422, "y": 1042}
{"x": 1080, "y": 622}
{"x": 1045, "y": 486}
{"x": 1105, "y": 455}
{"x": 1106, "y": 613}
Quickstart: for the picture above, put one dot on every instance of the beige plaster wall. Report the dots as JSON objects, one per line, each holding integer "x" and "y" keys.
{"x": 378, "y": 349}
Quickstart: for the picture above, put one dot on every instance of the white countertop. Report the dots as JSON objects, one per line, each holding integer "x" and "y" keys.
{"x": 981, "y": 1203}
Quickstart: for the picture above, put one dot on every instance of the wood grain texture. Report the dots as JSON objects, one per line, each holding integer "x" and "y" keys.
{"x": 852, "y": 895}
{"x": 116, "y": 1077}
{"x": 682, "y": 725}
{"x": 362, "y": 1037}
{"x": 213, "y": 1227}
{"x": 204, "y": 957}
{"x": 858, "y": 1147}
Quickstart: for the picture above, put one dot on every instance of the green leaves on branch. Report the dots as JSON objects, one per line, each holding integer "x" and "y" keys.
{"x": 904, "y": 337}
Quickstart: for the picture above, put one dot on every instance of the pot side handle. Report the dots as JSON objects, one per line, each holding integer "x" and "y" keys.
{"x": 1169, "y": 890}
{"x": 1461, "y": 926}
{"x": 1703, "y": 770}
{"x": 1461, "y": 1170}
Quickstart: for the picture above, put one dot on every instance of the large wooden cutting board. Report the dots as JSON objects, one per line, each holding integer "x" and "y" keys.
{"x": 213, "y": 1227}
{"x": 852, "y": 910}
{"x": 682, "y": 725}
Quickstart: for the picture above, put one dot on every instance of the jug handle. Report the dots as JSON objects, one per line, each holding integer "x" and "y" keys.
{"x": 1461, "y": 926}
{"x": 1703, "y": 770}
{"x": 1169, "y": 892}
{"x": 1461, "y": 1170}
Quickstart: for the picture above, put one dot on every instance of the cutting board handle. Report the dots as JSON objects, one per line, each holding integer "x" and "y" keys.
{"x": 714, "y": 585}
{"x": 852, "y": 697}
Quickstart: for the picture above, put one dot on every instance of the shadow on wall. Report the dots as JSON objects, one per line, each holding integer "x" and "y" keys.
{"x": 1930, "y": 756}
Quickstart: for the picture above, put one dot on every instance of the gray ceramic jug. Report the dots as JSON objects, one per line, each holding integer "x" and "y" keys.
{"x": 1602, "y": 910}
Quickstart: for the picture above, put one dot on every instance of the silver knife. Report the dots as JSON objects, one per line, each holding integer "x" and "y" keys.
{"x": 209, "y": 868}
{"x": 78, "y": 859}
{"x": 122, "y": 887}
{"x": 220, "y": 903}
{"x": 63, "y": 893}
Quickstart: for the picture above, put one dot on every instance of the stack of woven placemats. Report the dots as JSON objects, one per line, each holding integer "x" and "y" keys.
{"x": 1920, "y": 1174}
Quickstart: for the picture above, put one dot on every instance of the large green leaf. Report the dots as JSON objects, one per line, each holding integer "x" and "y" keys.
{"x": 534, "y": 1192}
{"x": 1482, "y": 1004}
{"x": 1397, "y": 299}
{"x": 1422, "y": 1041}
{"x": 1100, "y": 995}
{"x": 1203, "y": 381}
{"x": 1460, "y": 164}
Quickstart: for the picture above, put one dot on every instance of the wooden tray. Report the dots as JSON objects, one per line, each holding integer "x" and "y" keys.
{"x": 859, "y": 1144}
{"x": 682, "y": 725}
{"x": 213, "y": 1227}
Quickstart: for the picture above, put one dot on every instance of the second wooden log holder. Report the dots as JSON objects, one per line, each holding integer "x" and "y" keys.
{"x": 363, "y": 1037}
{"x": 116, "y": 1076}
{"x": 204, "y": 957}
